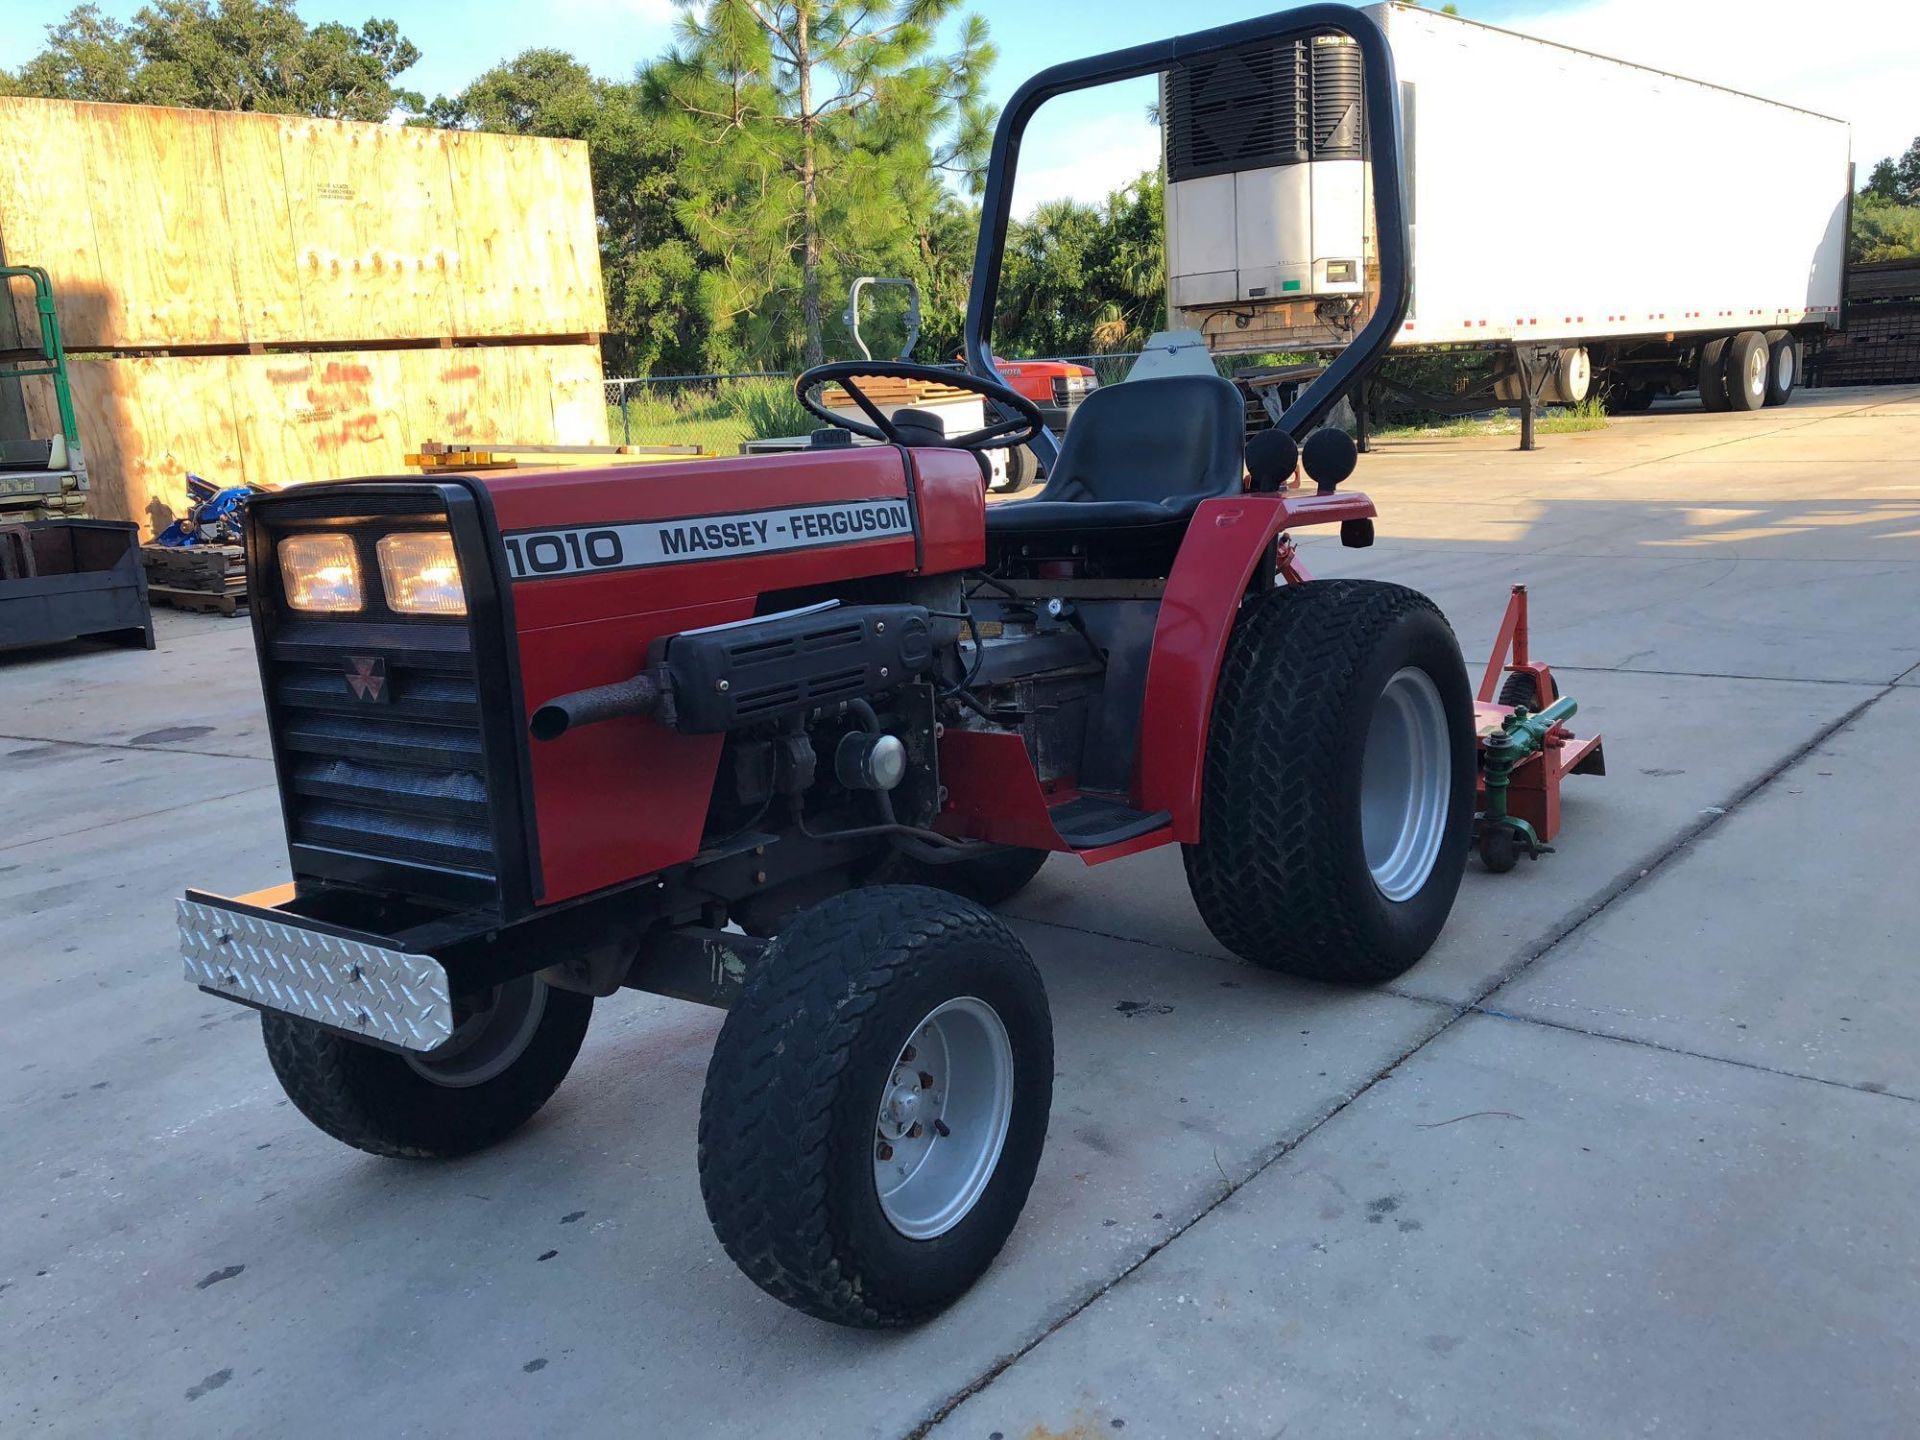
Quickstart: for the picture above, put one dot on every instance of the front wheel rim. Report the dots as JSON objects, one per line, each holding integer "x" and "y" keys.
{"x": 1757, "y": 372}
{"x": 1406, "y": 780}
{"x": 943, "y": 1118}
{"x": 486, "y": 1044}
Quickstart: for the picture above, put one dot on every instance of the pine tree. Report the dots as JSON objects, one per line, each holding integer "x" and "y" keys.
{"x": 822, "y": 128}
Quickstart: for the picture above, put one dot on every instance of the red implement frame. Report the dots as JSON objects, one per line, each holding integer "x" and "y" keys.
{"x": 1533, "y": 795}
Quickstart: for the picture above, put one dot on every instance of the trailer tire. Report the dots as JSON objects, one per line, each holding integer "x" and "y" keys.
{"x": 1284, "y": 875}
{"x": 1747, "y": 371}
{"x": 990, "y": 880}
{"x": 1783, "y": 366}
{"x": 402, "y": 1105}
{"x": 1023, "y": 468}
{"x": 802, "y": 1107}
{"x": 1713, "y": 374}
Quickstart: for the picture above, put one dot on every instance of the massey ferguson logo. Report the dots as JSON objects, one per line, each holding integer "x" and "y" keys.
{"x": 367, "y": 679}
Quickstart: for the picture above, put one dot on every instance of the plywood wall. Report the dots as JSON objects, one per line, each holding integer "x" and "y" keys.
{"x": 183, "y": 227}
{"x": 281, "y": 419}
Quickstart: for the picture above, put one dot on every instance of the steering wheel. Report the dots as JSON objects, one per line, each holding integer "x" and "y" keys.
{"x": 1005, "y": 434}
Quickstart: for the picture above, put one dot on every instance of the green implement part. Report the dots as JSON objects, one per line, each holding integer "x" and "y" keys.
{"x": 1521, "y": 734}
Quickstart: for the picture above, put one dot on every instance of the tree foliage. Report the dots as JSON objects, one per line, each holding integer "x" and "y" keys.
{"x": 1898, "y": 179}
{"x": 224, "y": 55}
{"x": 1085, "y": 278}
{"x": 649, "y": 263}
{"x": 1886, "y": 212}
{"x": 821, "y": 129}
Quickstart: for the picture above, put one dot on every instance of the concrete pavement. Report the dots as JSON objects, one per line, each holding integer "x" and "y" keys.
{"x": 1630, "y": 1151}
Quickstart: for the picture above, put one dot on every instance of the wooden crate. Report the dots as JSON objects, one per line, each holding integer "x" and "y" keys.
{"x": 281, "y": 419}
{"x": 168, "y": 228}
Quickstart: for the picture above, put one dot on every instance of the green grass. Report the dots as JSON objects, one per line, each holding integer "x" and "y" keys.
{"x": 1589, "y": 414}
{"x": 717, "y": 418}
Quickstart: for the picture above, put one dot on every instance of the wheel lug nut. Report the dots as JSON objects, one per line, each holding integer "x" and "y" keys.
{"x": 914, "y": 1132}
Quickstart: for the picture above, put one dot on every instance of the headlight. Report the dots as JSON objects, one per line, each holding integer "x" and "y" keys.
{"x": 320, "y": 572}
{"x": 421, "y": 574}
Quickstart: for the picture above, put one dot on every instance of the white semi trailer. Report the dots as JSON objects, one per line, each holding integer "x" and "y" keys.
{"x": 1691, "y": 236}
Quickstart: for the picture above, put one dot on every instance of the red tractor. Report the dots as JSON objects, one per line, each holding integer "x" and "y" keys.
{"x": 776, "y": 733}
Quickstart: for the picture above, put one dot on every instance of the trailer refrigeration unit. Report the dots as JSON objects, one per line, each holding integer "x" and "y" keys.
{"x": 1696, "y": 239}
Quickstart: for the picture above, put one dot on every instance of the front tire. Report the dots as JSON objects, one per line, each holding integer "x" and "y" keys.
{"x": 876, "y": 1106}
{"x": 1337, "y": 804}
{"x": 503, "y": 1062}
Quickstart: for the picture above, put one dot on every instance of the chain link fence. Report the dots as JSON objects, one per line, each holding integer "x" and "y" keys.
{"x": 722, "y": 410}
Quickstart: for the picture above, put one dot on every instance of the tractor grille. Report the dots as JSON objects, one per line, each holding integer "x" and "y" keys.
{"x": 1264, "y": 106}
{"x": 396, "y": 778}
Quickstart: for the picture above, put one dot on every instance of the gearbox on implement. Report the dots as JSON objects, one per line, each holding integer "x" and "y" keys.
{"x": 775, "y": 734}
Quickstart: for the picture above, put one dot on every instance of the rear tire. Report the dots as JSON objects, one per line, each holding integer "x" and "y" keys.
{"x": 990, "y": 880}
{"x": 1747, "y": 370}
{"x": 1713, "y": 374}
{"x": 802, "y": 1106}
{"x": 1783, "y": 366}
{"x": 499, "y": 1068}
{"x": 1291, "y": 872}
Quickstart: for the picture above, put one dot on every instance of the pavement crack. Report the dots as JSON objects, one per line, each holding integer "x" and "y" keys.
{"x": 135, "y": 815}
{"x": 1725, "y": 675}
{"x": 1665, "y": 1049}
{"x": 1279, "y": 1151}
{"x": 1628, "y": 881}
{"x": 137, "y": 749}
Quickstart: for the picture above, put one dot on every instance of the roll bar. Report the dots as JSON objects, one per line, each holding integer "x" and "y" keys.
{"x": 1389, "y": 182}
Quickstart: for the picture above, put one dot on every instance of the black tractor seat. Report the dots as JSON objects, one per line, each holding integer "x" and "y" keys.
{"x": 1137, "y": 456}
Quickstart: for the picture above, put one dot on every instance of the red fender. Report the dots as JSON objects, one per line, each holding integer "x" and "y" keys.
{"x": 1217, "y": 561}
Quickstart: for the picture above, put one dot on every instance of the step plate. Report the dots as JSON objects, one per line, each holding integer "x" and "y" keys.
{"x": 352, "y": 985}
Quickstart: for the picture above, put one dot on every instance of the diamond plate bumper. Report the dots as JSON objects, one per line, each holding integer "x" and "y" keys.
{"x": 353, "y": 985}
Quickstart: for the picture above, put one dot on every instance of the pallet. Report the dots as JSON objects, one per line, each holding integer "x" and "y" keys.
{"x": 210, "y": 568}
{"x": 204, "y": 601}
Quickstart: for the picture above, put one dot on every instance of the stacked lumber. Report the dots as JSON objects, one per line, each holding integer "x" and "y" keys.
{"x": 197, "y": 577}
{"x": 268, "y": 299}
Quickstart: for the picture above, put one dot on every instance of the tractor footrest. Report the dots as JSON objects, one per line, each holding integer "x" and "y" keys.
{"x": 1088, "y": 822}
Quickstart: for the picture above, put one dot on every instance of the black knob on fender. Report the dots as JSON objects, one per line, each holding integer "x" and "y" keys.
{"x": 1272, "y": 457}
{"x": 1329, "y": 457}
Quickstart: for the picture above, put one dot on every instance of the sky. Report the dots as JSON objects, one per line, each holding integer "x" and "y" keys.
{"x": 1855, "y": 59}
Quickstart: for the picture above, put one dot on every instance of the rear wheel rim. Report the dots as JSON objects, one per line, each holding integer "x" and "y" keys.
{"x": 1783, "y": 369}
{"x": 1406, "y": 779}
{"x": 487, "y": 1043}
{"x": 943, "y": 1118}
